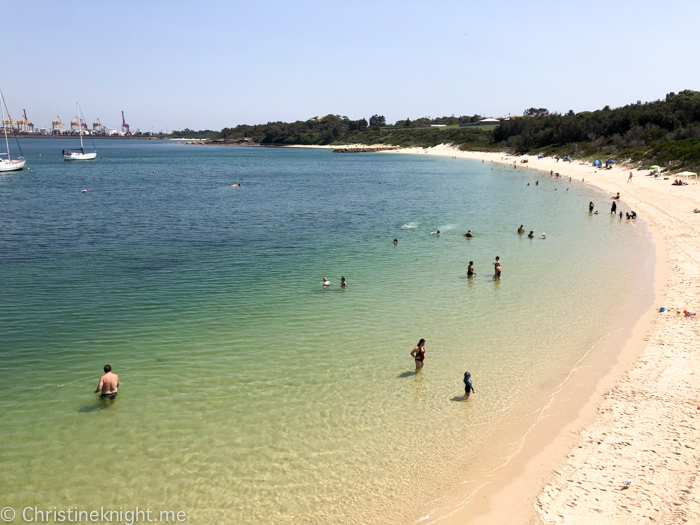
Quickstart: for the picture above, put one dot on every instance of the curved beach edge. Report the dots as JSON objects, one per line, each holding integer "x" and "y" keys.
{"x": 637, "y": 419}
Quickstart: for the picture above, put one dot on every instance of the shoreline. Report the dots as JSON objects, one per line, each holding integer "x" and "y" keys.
{"x": 559, "y": 475}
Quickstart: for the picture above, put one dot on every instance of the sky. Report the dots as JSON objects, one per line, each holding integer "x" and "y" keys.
{"x": 215, "y": 64}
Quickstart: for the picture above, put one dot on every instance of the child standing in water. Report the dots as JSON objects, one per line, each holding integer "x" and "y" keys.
{"x": 468, "y": 386}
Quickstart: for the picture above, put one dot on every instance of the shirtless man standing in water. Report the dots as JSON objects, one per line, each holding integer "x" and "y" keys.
{"x": 108, "y": 384}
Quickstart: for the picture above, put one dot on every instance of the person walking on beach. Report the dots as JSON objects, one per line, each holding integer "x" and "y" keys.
{"x": 613, "y": 209}
{"x": 521, "y": 230}
{"x": 470, "y": 269}
{"x": 468, "y": 386}
{"x": 497, "y": 268}
{"x": 629, "y": 179}
{"x": 418, "y": 354}
{"x": 590, "y": 207}
{"x": 108, "y": 384}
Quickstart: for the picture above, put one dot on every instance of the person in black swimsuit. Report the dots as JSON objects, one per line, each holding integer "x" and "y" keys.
{"x": 497, "y": 267}
{"x": 470, "y": 269}
{"x": 590, "y": 207}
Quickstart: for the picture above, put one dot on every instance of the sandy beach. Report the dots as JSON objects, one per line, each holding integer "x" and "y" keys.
{"x": 637, "y": 420}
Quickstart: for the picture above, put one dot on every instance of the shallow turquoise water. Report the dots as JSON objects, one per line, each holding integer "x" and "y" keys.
{"x": 250, "y": 394}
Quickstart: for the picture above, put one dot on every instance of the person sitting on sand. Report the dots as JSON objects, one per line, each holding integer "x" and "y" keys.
{"x": 418, "y": 354}
{"x": 470, "y": 269}
{"x": 468, "y": 234}
{"x": 616, "y": 197}
{"x": 521, "y": 230}
{"x": 108, "y": 384}
{"x": 633, "y": 214}
{"x": 531, "y": 235}
{"x": 468, "y": 386}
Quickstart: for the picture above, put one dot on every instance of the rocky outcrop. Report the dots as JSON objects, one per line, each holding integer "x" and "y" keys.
{"x": 365, "y": 150}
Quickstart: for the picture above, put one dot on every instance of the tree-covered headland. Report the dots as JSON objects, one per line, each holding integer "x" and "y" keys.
{"x": 663, "y": 130}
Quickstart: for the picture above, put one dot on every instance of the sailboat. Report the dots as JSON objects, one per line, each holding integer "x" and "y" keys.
{"x": 8, "y": 164}
{"x": 75, "y": 154}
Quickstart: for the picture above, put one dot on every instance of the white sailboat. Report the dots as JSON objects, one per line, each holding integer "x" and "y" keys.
{"x": 7, "y": 164}
{"x": 79, "y": 154}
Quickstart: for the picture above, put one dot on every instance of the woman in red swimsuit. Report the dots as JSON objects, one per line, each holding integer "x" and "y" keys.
{"x": 418, "y": 354}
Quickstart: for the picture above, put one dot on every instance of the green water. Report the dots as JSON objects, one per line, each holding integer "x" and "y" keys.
{"x": 249, "y": 393}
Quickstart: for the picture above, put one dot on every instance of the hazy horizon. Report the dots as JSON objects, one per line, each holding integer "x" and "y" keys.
{"x": 175, "y": 65}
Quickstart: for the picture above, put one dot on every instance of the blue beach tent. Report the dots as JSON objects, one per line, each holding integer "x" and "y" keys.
{"x": 540, "y": 156}
{"x": 610, "y": 161}
{"x": 597, "y": 163}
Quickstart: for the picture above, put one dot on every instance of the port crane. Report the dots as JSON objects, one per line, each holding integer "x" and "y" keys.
{"x": 97, "y": 126}
{"x": 125, "y": 126}
{"x": 57, "y": 126}
{"x": 30, "y": 125}
{"x": 8, "y": 122}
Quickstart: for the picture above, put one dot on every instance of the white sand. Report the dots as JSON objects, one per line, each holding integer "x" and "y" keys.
{"x": 645, "y": 421}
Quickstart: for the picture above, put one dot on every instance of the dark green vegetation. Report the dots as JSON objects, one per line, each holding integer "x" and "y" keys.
{"x": 334, "y": 129}
{"x": 664, "y": 131}
{"x": 191, "y": 134}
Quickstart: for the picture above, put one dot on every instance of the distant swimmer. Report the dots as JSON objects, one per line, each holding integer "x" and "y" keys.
{"x": 468, "y": 234}
{"x": 521, "y": 230}
{"x": 470, "y": 269}
{"x": 544, "y": 236}
{"x": 418, "y": 354}
{"x": 590, "y": 207}
{"x": 326, "y": 283}
{"x": 468, "y": 386}
{"x": 436, "y": 233}
{"x": 531, "y": 235}
{"x": 108, "y": 384}
{"x": 497, "y": 268}
{"x": 396, "y": 241}
{"x": 343, "y": 282}
{"x": 537, "y": 183}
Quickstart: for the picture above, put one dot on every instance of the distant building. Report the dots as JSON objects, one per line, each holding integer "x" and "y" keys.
{"x": 438, "y": 125}
{"x": 482, "y": 122}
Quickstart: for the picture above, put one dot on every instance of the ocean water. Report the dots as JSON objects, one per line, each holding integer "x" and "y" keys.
{"x": 249, "y": 393}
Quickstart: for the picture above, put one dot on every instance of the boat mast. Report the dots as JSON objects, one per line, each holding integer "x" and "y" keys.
{"x": 2, "y": 115}
{"x": 80, "y": 127}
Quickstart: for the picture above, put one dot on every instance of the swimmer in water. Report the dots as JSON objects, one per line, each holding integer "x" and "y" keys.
{"x": 108, "y": 384}
{"x": 326, "y": 283}
{"x": 343, "y": 282}
{"x": 521, "y": 230}
{"x": 531, "y": 235}
{"x": 544, "y": 236}
{"x": 468, "y": 234}
{"x": 470, "y": 269}
{"x": 435, "y": 233}
{"x": 418, "y": 353}
{"x": 497, "y": 267}
{"x": 396, "y": 241}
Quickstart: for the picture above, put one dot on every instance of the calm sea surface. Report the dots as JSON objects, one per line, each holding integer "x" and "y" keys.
{"x": 249, "y": 393}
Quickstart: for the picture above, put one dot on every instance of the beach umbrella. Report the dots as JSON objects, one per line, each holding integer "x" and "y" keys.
{"x": 610, "y": 161}
{"x": 597, "y": 163}
{"x": 655, "y": 167}
{"x": 688, "y": 174}
{"x": 540, "y": 156}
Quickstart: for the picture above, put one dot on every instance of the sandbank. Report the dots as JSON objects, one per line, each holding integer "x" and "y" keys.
{"x": 628, "y": 409}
